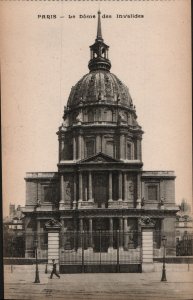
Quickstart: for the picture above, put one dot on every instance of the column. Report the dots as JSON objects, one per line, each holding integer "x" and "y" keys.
{"x": 139, "y": 149}
{"x": 120, "y": 232}
{"x": 125, "y": 233}
{"x": 90, "y": 233}
{"x": 147, "y": 250}
{"x": 125, "y": 186}
{"x": 80, "y": 187}
{"x": 82, "y": 147}
{"x": 142, "y": 189}
{"x": 79, "y": 147}
{"x": 74, "y": 200}
{"x": 110, "y": 188}
{"x": 80, "y": 244}
{"x": 132, "y": 151}
{"x": 90, "y": 198}
{"x": 102, "y": 143}
{"x": 138, "y": 191}
{"x": 139, "y": 186}
{"x": 61, "y": 149}
{"x": 81, "y": 224}
{"x": 74, "y": 148}
{"x": 38, "y": 235}
{"x": 122, "y": 147}
{"x": 61, "y": 190}
{"x": 120, "y": 187}
{"x": 111, "y": 232}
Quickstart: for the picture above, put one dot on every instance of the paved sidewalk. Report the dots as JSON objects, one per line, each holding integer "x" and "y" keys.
{"x": 105, "y": 286}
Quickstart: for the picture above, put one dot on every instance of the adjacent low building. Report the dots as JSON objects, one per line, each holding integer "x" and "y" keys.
{"x": 13, "y": 233}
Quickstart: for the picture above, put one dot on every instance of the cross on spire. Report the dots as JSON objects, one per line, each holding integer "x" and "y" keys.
{"x": 99, "y": 30}
{"x": 99, "y": 51}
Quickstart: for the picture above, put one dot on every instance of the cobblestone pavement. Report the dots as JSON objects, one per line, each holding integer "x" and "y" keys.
{"x": 115, "y": 286}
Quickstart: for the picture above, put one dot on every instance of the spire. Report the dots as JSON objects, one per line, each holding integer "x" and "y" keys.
{"x": 99, "y": 30}
{"x": 99, "y": 51}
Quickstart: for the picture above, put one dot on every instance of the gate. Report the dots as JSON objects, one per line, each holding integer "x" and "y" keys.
{"x": 100, "y": 251}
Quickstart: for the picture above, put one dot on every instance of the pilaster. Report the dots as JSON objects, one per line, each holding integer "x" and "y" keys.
{"x": 61, "y": 204}
{"x": 120, "y": 187}
{"x": 80, "y": 188}
{"x": 110, "y": 187}
{"x": 90, "y": 197}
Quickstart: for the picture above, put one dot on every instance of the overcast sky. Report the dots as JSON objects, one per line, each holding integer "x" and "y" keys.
{"x": 43, "y": 58}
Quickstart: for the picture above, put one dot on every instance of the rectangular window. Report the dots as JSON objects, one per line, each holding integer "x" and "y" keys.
{"x": 152, "y": 192}
{"x": 48, "y": 194}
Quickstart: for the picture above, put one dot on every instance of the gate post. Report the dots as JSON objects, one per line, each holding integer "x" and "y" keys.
{"x": 147, "y": 226}
{"x": 53, "y": 228}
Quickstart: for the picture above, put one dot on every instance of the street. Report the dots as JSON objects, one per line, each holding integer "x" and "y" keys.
{"x": 19, "y": 285}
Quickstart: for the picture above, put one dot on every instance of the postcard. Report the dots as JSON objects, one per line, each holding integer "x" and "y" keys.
{"x": 96, "y": 149}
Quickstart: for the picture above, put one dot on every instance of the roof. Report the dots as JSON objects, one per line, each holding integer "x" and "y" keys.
{"x": 100, "y": 86}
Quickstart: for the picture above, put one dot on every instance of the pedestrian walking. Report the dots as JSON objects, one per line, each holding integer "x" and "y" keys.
{"x": 54, "y": 270}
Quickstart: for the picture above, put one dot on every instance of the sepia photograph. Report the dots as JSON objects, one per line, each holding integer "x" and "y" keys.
{"x": 96, "y": 149}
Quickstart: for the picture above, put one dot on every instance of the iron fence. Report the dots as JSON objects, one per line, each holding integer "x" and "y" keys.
{"x": 13, "y": 244}
{"x": 100, "y": 249}
{"x": 184, "y": 247}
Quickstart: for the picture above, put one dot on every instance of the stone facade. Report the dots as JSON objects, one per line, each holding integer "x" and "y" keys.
{"x": 100, "y": 183}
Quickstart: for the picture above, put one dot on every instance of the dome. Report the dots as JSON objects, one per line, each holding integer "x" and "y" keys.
{"x": 99, "y": 86}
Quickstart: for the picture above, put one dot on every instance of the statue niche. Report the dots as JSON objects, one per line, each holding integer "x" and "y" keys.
{"x": 131, "y": 189}
{"x": 68, "y": 189}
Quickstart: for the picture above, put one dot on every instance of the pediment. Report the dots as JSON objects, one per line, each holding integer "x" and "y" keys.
{"x": 54, "y": 224}
{"x": 99, "y": 158}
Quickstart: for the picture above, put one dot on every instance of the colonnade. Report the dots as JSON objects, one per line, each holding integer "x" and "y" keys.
{"x": 78, "y": 145}
{"x": 122, "y": 228}
{"x": 78, "y": 193}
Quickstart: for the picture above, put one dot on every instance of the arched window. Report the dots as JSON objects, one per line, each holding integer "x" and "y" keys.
{"x": 125, "y": 115}
{"x": 114, "y": 118}
{"x": 128, "y": 151}
{"x": 108, "y": 115}
{"x": 110, "y": 148}
{"x": 90, "y": 148}
{"x": 90, "y": 116}
{"x": 98, "y": 115}
{"x": 85, "y": 116}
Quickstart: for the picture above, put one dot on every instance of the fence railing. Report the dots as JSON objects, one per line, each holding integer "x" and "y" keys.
{"x": 100, "y": 248}
{"x": 184, "y": 247}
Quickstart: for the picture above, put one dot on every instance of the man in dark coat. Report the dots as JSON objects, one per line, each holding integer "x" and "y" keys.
{"x": 54, "y": 270}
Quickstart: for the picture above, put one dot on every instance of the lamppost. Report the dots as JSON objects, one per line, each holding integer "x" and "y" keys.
{"x": 37, "y": 280}
{"x": 164, "y": 256}
{"x": 12, "y": 254}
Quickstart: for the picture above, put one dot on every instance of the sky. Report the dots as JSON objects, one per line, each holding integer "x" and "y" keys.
{"x": 42, "y": 58}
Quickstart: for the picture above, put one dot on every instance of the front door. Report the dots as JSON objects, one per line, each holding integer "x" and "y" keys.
{"x": 100, "y": 235}
{"x": 100, "y": 190}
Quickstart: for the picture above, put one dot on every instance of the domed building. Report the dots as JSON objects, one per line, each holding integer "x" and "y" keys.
{"x": 100, "y": 211}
